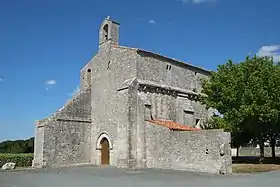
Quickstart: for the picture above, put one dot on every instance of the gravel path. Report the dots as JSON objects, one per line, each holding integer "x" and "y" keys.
{"x": 94, "y": 176}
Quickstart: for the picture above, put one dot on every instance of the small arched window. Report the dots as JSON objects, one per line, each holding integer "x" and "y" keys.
{"x": 105, "y": 32}
{"x": 89, "y": 70}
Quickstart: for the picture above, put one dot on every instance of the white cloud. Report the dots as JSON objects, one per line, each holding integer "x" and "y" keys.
{"x": 270, "y": 50}
{"x": 151, "y": 21}
{"x": 75, "y": 91}
{"x": 50, "y": 82}
{"x": 196, "y": 1}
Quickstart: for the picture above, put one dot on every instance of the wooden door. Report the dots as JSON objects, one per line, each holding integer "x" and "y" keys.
{"x": 105, "y": 152}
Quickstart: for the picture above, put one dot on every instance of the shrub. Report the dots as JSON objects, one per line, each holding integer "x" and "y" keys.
{"x": 21, "y": 160}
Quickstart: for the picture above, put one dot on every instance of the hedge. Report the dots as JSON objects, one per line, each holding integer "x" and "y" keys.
{"x": 21, "y": 160}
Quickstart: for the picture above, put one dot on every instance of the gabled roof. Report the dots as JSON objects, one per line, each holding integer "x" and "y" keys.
{"x": 173, "y": 125}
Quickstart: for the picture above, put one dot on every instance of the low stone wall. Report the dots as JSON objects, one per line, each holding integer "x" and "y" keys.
{"x": 253, "y": 151}
{"x": 200, "y": 151}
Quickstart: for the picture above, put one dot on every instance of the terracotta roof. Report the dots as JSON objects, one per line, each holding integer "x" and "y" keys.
{"x": 173, "y": 125}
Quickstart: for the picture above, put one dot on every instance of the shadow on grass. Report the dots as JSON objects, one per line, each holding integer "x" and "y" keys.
{"x": 255, "y": 160}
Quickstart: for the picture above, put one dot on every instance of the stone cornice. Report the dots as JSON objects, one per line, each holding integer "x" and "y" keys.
{"x": 74, "y": 120}
{"x": 150, "y": 86}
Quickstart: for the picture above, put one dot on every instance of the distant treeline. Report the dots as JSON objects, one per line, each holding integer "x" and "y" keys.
{"x": 17, "y": 146}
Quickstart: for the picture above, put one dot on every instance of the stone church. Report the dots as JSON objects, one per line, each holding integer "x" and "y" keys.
{"x": 135, "y": 109}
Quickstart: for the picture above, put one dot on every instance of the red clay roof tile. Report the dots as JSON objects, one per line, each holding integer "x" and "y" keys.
{"x": 173, "y": 125}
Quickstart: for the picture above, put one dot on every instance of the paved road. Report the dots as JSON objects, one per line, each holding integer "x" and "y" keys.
{"x": 93, "y": 176}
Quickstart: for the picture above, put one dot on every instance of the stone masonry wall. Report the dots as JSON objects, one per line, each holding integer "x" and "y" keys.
{"x": 173, "y": 103}
{"x": 158, "y": 147}
{"x": 150, "y": 104}
{"x": 67, "y": 143}
{"x": 86, "y": 75}
{"x": 204, "y": 151}
{"x": 66, "y": 139}
{"x": 185, "y": 78}
{"x": 156, "y": 68}
{"x": 38, "y": 145}
{"x": 113, "y": 70}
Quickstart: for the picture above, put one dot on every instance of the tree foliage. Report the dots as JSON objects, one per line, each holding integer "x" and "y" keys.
{"x": 247, "y": 94}
{"x": 17, "y": 146}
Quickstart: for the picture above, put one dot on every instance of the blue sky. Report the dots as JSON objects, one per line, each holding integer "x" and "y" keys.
{"x": 44, "y": 44}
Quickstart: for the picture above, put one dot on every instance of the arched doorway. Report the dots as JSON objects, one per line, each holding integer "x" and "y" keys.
{"x": 104, "y": 145}
{"x": 105, "y": 154}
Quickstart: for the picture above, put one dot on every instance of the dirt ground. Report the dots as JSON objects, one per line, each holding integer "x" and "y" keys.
{"x": 253, "y": 168}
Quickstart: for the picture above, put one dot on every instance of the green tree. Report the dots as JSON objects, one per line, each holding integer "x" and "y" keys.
{"x": 245, "y": 94}
{"x": 17, "y": 146}
{"x": 274, "y": 133}
{"x": 239, "y": 137}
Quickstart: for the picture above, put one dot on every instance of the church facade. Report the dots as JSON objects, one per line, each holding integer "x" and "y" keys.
{"x": 135, "y": 109}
